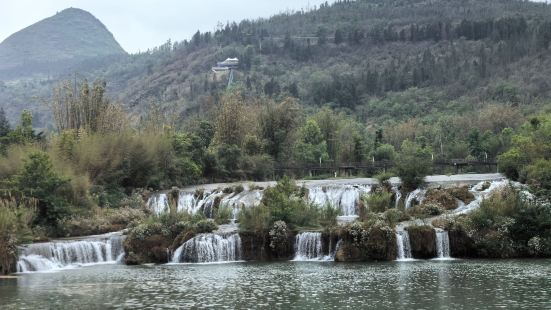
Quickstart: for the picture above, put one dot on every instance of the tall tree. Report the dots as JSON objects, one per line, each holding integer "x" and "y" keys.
{"x": 5, "y": 127}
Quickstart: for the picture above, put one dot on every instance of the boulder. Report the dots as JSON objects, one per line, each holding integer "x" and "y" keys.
{"x": 423, "y": 241}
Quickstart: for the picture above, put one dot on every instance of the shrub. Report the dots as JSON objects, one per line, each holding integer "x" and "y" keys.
{"x": 510, "y": 163}
{"x": 15, "y": 223}
{"x": 384, "y": 152}
{"x": 378, "y": 201}
{"x": 205, "y": 226}
{"x": 278, "y": 236}
{"x": 328, "y": 216}
{"x": 538, "y": 175}
{"x": 462, "y": 193}
{"x": 413, "y": 165}
{"x": 223, "y": 215}
{"x": 238, "y": 189}
{"x": 384, "y": 176}
{"x": 505, "y": 224}
{"x": 38, "y": 180}
{"x": 394, "y": 216}
{"x": 285, "y": 203}
{"x": 256, "y": 220}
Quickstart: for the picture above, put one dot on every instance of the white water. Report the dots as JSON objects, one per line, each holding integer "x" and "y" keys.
{"x": 191, "y": 203}
{"x": 480, "y": 194}
{"x": 158, "y": 204}
{"x": 404, "y": 245}
{"x": 49, "y": 256}
{"x": 209, "y": 248}
{"x": 442, "y": 244}
{"x": 417, "y": 195}
{"x": 309, "y": 247}
{"x": 397, "y": 196}
{"x": 342, "y": 197}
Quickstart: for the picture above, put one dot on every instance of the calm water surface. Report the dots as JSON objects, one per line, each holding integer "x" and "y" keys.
{"x": 459, "y": 284}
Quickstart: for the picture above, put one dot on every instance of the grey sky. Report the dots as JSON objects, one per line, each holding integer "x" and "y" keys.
{"x": 142, "y": 24}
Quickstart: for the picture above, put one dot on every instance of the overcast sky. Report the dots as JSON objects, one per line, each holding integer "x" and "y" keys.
{"x": 142, "y": 24}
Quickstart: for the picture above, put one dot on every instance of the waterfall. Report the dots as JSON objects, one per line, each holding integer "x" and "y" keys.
{"x": 337, "y": 247}
{"x": 190, "y": 203}
{"x": 417, "y": 195}
{"x": 442, "y": 244}
{"x": 481, "y": 191}
{"x": 308, "y": 246}
{"x": 397, "y": 195}
{"x": 403, "y": 244}
{"x": 65, "y": 254}
{"x": 209, "y": 248}
{"x": 245, "y": 199}
{"x": 158, "y": 204}
{"x": 342, "y": 197}
{"x": 187, "y": 202}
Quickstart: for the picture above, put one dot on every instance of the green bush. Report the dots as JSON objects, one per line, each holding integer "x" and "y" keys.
{"x": 256, "y": 220}
{"x": 39, "y": 181}
{"x": 10, "y": 230}
{"x": 506, "y": 222}
{"x": 413, "y": 164}
{"x": 378, "y": 201}
{"x": 384, "y": 152}
{"x": 205, "y": 226}
{"x": 286, "y": 203}
{"x": 328, "y": 216}
{"x": 223, "y": 215}
{"x": 538, "y": 175}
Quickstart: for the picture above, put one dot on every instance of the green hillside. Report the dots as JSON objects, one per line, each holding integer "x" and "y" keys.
{"x": 383, "y": 60}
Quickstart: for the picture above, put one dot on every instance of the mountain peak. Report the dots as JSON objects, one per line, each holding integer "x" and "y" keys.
{"x": 70, "y": 36}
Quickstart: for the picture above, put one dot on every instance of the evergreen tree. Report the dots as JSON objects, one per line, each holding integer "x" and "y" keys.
{"x": 4, "y": 123}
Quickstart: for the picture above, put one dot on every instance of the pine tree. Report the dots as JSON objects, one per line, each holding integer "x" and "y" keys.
{"x": 4, "y": 123}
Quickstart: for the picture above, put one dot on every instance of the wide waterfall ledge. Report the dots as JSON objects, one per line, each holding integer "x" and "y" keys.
{"x": 66, "y": 254}
{"x": 209, "y": 248}
{"x": 309, "y": 247}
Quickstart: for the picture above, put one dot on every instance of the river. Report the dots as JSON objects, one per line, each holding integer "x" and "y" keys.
{"x": 453, "y": 284}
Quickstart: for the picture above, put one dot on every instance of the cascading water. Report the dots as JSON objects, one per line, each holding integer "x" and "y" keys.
{"x": 403, "y": 244}
{"x": 209, "y": 248}
{"x": 66, "y": 254}
{"x": 397, "y": 196}
{"x": 442, "y": 244}
{"x": 205, "y": 202}
{"x": 245, "y": 199}
{"x": 417, "y": 195}
{"x": 343, "y": 197}
{"x": 158, "y": 204}
{"x": 308, "y": 247}
{"x": 481, "y": 191}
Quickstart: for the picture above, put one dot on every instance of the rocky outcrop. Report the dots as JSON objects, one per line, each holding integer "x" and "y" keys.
{"x": 462, "y": 193}
{"x": 423, "y": 241}
{"x": 151, "y": 249}
{"x": 256, "y": 247}
{"x": 360, "y": 243}
{"x": 461, "y": 245}
{"x": 440, "y": 197}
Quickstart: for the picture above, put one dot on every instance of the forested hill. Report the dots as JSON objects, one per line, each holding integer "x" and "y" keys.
{"x": 378, "y": 60}
{"x": 381, "y": 59}
{"x": 66, "y": 40}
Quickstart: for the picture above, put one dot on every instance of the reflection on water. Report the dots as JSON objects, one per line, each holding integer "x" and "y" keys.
{"x": 456, "y": 284}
